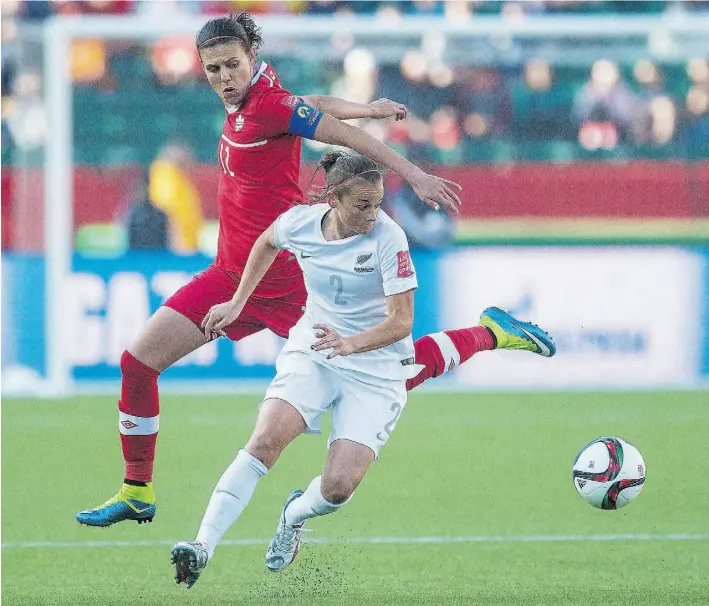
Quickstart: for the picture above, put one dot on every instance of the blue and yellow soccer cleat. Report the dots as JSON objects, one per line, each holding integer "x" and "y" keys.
{"x": 512, "y": 333}
{"x": 131, "y": 503}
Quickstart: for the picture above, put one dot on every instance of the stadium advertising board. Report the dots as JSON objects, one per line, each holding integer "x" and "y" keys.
{"x": 620, "y": 316}
{"x": 107, "y": 301}
{"x": 112, "y": 299}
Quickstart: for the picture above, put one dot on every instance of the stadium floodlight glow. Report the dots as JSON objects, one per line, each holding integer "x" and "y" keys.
{"x": 689, "y": 33}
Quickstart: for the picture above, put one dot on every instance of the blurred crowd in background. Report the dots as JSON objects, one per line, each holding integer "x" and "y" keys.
{"x": 40, "y": 9}
{"x": 536, "y": 108}
{"x": 458, "y": 112}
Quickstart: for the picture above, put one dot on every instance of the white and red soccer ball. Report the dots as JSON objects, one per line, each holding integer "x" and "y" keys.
{"x": 608, "y": 473}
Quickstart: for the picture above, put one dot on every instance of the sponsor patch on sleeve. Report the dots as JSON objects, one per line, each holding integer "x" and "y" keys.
{"x": 405, "y": 268}
{"x": 290, "y": 101}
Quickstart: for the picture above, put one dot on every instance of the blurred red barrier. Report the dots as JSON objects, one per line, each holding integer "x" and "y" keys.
{"x": 6, "y": 205}
{"x": 652, "y": 190}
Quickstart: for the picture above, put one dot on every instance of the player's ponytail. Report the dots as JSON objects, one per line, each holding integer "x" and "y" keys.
{"x": 252, "y": 31}
{"x": 341, "y": 168}
{"x": 237, "y": 27}
{"x": 330, "y": 158}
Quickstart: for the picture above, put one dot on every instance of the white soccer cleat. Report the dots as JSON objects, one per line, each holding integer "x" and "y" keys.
{"x": 285, "y": 543}
{"x": 190, "y": 559}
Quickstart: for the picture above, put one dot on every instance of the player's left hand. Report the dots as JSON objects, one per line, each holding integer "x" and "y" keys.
{"x": 327, "y": 338}
{"x": 385, "y": 108}
{"x": 437, "y": 191}
{"x": 218, "y": 318}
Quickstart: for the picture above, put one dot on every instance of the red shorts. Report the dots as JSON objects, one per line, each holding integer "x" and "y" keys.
{"x": 215, "y": 285}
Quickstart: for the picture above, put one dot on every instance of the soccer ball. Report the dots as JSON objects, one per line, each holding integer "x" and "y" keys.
{"x": 608, "y": 473}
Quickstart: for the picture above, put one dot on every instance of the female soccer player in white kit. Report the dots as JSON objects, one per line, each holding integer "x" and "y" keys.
{"x": 351, "y": 351}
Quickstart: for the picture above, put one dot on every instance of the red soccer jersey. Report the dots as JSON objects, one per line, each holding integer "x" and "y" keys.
{"x": 260, "y": 165}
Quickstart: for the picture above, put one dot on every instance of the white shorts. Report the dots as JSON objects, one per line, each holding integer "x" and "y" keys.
{"x": 365, "y": 409}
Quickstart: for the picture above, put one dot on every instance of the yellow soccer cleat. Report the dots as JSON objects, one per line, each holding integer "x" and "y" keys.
{"x": 131, "y": 503}
{"x": 512, "y": 333}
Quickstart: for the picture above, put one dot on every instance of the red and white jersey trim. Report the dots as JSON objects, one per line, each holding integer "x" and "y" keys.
{"x": 261, "y": 72}
{"x": 254, "y": 144}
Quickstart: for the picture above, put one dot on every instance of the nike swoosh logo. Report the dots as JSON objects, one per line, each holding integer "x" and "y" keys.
{"x": 304, "y": 256}
{"x": 138, "y": 509}
{"x": 544, "y": 349}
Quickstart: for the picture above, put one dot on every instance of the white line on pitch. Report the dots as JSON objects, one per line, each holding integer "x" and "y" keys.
{"x": 534, "y": 538}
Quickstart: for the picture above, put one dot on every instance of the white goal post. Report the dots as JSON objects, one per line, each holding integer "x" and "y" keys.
{"x": 667, "y": 36}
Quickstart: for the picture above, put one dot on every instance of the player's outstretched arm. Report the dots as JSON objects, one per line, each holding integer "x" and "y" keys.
{"x": 397, "y": 326}
{"x": 349, "y": 110}
{"x": 260, "y": 259}
{"x": 434, "y": 191}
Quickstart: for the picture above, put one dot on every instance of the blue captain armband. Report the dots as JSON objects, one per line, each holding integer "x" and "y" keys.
{"x": 304, "y": 121}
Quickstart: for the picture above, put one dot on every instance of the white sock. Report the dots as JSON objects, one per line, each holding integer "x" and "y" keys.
{"x": 229, "y": 499}
{"x": 310, "y": 504}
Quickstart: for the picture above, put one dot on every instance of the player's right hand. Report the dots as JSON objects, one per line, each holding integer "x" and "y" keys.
{"x": 328, "y": 338}
{"x": 385, "y": 108}
{"x": 219, "y": 317}
{"x": 437, "y": 191}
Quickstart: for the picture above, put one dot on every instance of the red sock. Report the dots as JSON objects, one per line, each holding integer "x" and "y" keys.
{"x": 138, "y": 417}
{"x": 443, "y": 351}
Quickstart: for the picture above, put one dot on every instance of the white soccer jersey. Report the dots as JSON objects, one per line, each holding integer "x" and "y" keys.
{"x": 347, "y": 282}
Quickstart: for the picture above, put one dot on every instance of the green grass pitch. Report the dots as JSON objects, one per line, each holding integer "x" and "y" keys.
{"x": 473, "y": 465}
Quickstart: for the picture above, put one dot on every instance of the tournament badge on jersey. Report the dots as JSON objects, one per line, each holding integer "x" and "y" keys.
{"x": 405, "y": 268}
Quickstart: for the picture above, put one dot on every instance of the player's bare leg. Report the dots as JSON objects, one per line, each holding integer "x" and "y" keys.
{"x": 167, "y": 337}
{"x": 277, "y": 426}
{"x": 347, "y": 463}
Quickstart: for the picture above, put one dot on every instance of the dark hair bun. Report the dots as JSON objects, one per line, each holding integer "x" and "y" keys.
{"x": 253, "y": 32}
{"x": 330, "y": 157}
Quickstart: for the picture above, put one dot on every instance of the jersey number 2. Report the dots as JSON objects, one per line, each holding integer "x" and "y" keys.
{"x": 336, "y": 281}
{"x": 224, "y": 159}
{"x": 389, "y": 427}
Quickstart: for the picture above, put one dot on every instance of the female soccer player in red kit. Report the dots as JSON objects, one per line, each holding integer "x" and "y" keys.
{"x": 259, "y": 159}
